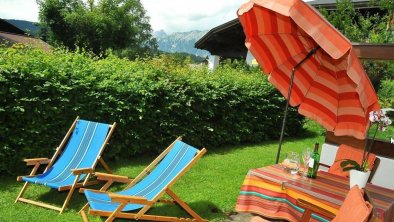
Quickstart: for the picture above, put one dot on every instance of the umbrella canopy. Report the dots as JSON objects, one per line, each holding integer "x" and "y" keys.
{"x": 311, "y": 63}
{"x": 330, "y": 86}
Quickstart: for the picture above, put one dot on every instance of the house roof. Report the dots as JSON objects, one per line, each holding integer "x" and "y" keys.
{"x": 226, "y": 40}
{"x": 8, "y": 27}
{"x": 10, "y": 34}
{"x": 10, "y": 39}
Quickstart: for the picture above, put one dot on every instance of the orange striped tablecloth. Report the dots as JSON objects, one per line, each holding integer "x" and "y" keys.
{"x": 272, "y": 192}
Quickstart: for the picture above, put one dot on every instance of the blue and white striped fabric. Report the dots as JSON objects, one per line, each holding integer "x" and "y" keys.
{"x": 81, "y": 151}
{"x": 172, "y": 164}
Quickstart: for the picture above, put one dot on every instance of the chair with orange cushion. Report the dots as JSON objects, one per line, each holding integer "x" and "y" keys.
{"x": 348, "y": 152}
{"x": 354, "y": 208}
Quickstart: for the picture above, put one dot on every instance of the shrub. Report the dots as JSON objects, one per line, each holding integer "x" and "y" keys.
{"x": 152, "y": 100}
{"x": 386, "y": 93}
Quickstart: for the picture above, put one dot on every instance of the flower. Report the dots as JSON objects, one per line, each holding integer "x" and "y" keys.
{"x": 380, "y": 118}
{"x": 381, "y": 121}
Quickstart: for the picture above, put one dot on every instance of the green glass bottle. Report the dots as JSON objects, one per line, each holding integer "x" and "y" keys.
{"x": 313, "y": 164}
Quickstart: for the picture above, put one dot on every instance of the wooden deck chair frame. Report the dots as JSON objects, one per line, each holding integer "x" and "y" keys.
{"x": 124, "y": 199}
{"x": 36, "y": 162}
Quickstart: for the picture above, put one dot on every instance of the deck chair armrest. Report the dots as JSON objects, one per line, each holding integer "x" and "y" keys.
{"x": 313, "y": 208}
{"x": 34, "y": 161}
{"x": 82, "y": 190}
{"x": 129, "y": 199}
{"x": 113, "y": 177}
{"x": 20, "y": 178}
{"x": 82, "y": 171}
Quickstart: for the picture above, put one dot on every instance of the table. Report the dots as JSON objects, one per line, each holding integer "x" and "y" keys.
{"x": 272, "y": 192}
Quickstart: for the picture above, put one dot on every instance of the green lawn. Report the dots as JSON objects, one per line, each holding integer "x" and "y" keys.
{"x": 211, "y": 187}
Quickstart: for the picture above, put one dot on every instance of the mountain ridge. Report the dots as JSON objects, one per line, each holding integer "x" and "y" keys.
{"x": 30, "y": 28}
{"x": 182, "y": 42}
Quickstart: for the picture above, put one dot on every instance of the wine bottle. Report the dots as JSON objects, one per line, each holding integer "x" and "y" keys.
{"x": 314, "y": 162}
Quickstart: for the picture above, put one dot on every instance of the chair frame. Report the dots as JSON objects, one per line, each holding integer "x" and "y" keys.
{"x": 36, "y": 162}
{"x": 125, "y": 199}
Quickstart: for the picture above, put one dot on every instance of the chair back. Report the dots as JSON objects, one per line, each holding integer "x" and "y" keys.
{"x": 82, "y": 151}
{"x": 354, "y": 207}
{"x": 163, "y": 175}
{"x": 348, "y": 152}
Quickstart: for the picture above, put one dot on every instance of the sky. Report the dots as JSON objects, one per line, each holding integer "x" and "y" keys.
{"x": 170, "y": 16}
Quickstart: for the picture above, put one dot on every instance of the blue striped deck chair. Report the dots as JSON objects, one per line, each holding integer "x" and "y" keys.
{"x": 146, "y": 189}
{"x": 73, "y": 163}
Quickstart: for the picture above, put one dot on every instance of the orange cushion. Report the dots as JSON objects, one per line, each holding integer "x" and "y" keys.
{"x": 348, "y": 152}
{"x": 354, "y": 207}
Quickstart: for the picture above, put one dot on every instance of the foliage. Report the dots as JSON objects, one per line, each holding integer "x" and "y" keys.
{"x": 386, "y": 93}
{"x": 366, "y": 28}
{"x": 386, "y": 100}
{"x": 120, "y": 25}
{"x": 349, "y": 164}
{"x": 184, "y": 56}
{"x": 152, "y": 100}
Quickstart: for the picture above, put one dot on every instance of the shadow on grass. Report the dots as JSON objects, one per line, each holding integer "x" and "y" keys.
{"x": 206, "y": 209}
{"x": 53, "y": 197}
{"x": 223, "y": 150}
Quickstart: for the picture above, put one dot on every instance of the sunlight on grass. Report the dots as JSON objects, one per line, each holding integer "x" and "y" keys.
{"x": 211, "y": 187}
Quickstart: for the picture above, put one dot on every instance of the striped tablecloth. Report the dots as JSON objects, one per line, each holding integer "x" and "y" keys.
{"x": 272, "y": 192}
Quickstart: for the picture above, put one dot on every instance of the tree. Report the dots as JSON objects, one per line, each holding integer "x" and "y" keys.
{"x": 119, "y": 25}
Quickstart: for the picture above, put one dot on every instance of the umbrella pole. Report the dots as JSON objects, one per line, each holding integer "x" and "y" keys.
{"x": 313, "y": 51}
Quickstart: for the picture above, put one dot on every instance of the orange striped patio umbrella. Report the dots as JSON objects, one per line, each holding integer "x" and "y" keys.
{"x": 310, "y": 62}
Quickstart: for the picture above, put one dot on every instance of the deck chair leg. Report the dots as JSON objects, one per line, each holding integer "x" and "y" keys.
{"x": 105, "y": 165}
{"x": 184, "y": 205}
{"x": 33, "y": 172}
{"x": 83, "y": 214}
{"x": 70, "y": 193}
{"x": 113, "y": 215}
{"x": 22, "y": 191}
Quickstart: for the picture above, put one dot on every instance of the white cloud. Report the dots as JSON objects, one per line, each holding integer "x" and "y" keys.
{"x": 19, "y": 9}
{"x": 171, "y": 15}
{"x": 186, "y": 15}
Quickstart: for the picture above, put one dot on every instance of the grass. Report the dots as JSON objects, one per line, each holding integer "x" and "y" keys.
{"x": 211, "y": 187}
{"x": 383, "y": 135}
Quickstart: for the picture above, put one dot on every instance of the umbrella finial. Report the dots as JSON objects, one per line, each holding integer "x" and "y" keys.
{"x": 245, "y": 7}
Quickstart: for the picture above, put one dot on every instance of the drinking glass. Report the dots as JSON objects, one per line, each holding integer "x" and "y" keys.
{"x": 292, "y": 162}
{"x": 306, "y": 156}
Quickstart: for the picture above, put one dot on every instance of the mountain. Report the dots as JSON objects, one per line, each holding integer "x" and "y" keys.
{"x": 29, "y": 27}
{"x": 180, "y": 42}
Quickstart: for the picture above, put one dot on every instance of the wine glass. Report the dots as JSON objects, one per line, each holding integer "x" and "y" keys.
{"x": 292, "y": 162}
{"x": 306, "y": 156}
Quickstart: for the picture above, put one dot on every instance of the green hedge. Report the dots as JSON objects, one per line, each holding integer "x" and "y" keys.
{"x": 386, "y": 93}
{"x": 152, "y": 100}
